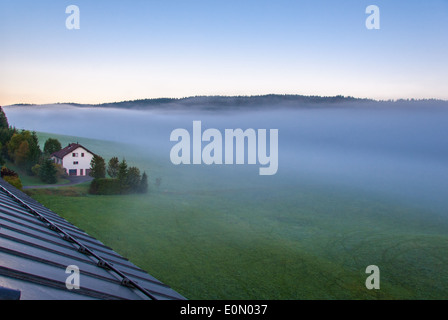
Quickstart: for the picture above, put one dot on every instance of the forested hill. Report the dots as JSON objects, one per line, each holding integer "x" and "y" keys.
{"x": 240, "y": 102}
{"x": 224, "y": 102}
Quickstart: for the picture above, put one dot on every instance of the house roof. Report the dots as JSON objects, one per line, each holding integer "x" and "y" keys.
{"x": 68, "y": 149}
{"x": 37, "y": 246}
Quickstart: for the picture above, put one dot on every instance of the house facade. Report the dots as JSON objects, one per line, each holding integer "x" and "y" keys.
{"x": 75, "y": 159}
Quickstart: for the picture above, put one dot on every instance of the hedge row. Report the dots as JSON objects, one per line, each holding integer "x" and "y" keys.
{"x": 104, "y": 186}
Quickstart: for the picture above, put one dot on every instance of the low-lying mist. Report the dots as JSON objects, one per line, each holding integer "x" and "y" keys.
{"x": 396, "y": 151}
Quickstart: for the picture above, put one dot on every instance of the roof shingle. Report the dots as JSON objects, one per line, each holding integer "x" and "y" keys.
{"x": 37, "y": 246}
{"x": 68, "y": 149}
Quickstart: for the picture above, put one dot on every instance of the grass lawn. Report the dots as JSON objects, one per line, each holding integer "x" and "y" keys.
{"x": 224, "y": 237}
{"x": 227, "y": 247}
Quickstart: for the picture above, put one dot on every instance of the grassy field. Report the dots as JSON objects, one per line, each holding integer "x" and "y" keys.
{"x": 234, "y": 249}
{"x": 212, "y": 238}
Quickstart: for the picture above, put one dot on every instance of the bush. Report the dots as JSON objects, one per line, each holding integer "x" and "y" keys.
{"x": 60, "y": 171}
{"x": 5, "y": 172}
{"x": 35, "y": 169}
{"x": 11, "y": 177}
{"x": 105, "y": 186}
{"x": 14, "y": 181}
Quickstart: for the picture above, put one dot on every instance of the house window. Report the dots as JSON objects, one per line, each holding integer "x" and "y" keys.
{"x": 75, "y": 162}
{"x": 74, "y": 155}
{"x": 82, "y": 155}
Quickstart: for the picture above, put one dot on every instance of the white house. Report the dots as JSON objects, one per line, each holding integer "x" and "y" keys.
{"x": 75, "y": 159}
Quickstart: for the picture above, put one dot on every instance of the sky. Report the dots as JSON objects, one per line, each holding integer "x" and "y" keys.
{"x": 138, "y": 49}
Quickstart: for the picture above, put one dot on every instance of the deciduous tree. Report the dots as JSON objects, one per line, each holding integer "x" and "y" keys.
{"x": 113, "y": 167}
{"x": 21, "y": 154}
{"x": 52, "y": 146}
{"x": 133, "y": 179}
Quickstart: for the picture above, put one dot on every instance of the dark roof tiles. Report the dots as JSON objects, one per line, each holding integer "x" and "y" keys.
{"x": 37, "y": 246}
{"x": 68, "y": 149}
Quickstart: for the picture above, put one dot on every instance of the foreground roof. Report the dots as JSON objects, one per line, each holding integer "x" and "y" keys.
{"x": 68, "y": 149}
{"x": 37, "y": 246}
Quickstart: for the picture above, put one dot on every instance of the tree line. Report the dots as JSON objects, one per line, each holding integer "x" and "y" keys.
{"x": 21, "y": 147}
{"x": 122, "y": 179}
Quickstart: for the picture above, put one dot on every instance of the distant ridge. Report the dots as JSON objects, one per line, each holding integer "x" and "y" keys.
{"x": 235, "y": 102}
{"x": 218, "y": 102}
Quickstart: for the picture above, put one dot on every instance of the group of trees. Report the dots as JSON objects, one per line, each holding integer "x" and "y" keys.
{"x": 22, "y": 149}
{"x": 122, "y": 178}
{"x": 46, "y": 169}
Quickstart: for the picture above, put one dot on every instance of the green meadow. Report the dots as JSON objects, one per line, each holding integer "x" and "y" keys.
{"x": 211, "y": 233}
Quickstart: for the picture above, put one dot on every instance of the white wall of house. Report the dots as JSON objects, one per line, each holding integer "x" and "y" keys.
{"x": 78, "y": 160}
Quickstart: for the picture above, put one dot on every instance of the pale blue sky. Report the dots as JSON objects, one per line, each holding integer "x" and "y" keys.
{"x": 174, "y": 48}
